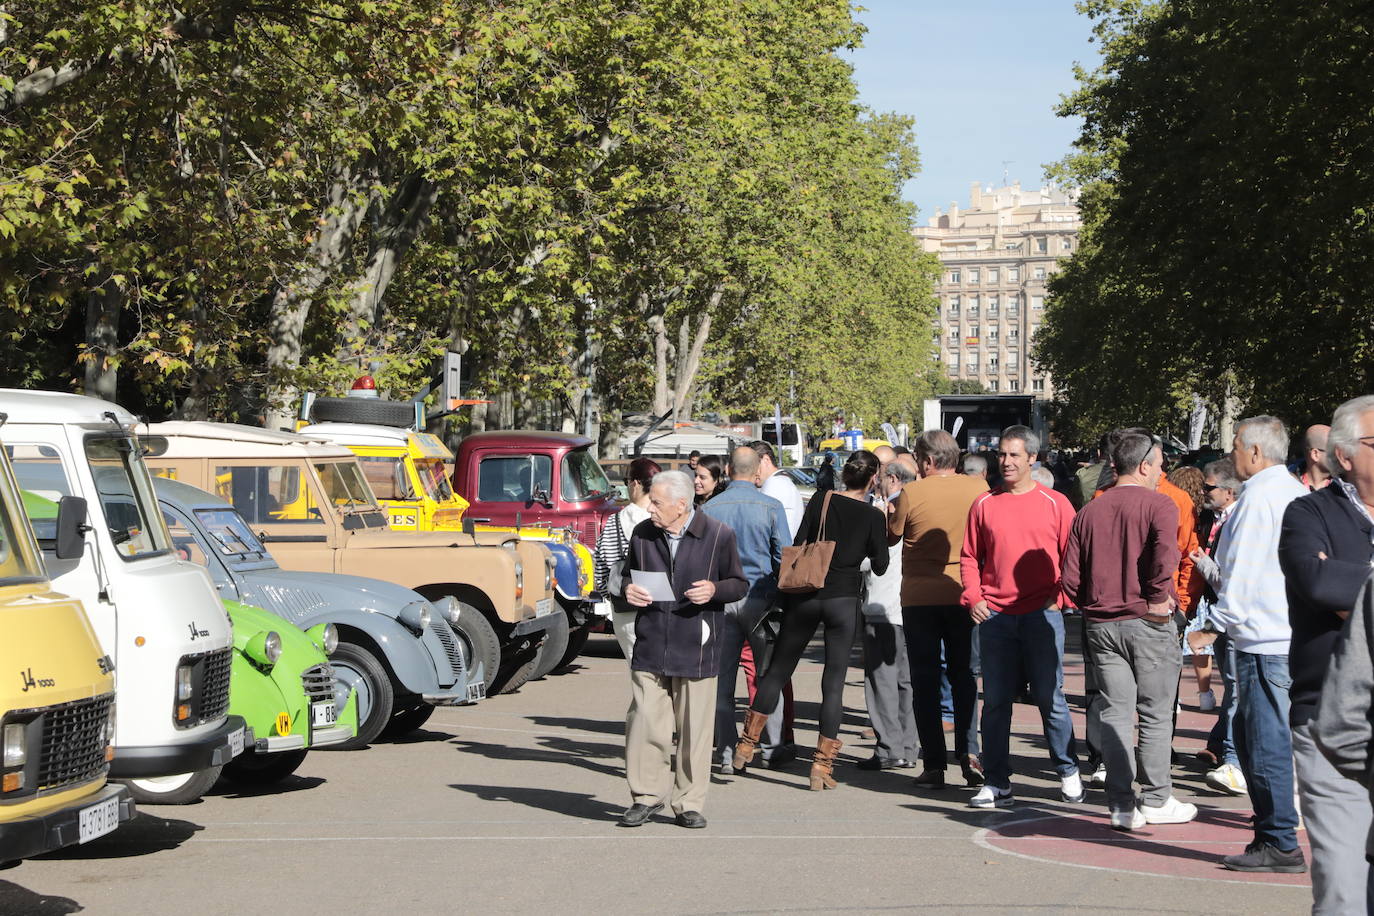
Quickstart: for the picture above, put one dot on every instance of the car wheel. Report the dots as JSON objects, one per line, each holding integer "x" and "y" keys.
{"x": 552, "y": 648}
{"x": 263, "y": 769}
{"x": 362, "y": 410}
{"x": 483, "y": 646}
{"x": 178, "y": 789}
{"x": 517, "y": 671}
{"x": 577, "y": 640}
{"x": 408, "y": 718}
{"x": 358, "y": 670}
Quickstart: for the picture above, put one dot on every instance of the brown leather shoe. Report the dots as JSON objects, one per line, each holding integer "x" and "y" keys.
{"x": 823, "y": 764}
{"x": 748, "y": 744}
{"x": 972, "y": 769}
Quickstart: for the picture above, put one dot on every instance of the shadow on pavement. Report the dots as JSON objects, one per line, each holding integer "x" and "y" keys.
{"x": 573, "y": 804}
{"x": 227, "y": 788}
{"x": 553, "y": 750}
{"x": 145, "y": 834}
{"x": 16, "y": 899}
{"x": 420, "y": 736}
{"x": 602, "y": 726}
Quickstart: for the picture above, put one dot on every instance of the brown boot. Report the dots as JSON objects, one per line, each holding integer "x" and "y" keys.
{"x": 823, "y": 763}
{"x": 748, "y": 744}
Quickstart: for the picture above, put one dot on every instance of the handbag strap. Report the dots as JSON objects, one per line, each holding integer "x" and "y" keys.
{"x": 825, "y": 510}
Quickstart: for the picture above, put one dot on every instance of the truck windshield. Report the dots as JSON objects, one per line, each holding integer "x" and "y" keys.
{"x": 126, "y": 497}
{"x": 387, "y": 476}
{"x": 231, "y": 534}
{"x": 18, "y": 558}
{"x": 582, "y": 476}
{"x": 344, "y": 485}
{"x": 434, "y": 475}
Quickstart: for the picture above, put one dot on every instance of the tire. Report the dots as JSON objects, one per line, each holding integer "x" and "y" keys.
{"x": 263, "y": 769}
{"x": 552, "y": 648}
{"x": 363, "y": 410}
{"x": 358, "y": 669}
{"x": 483, "y": 646}
{"x": 577, "y": 640}
{"x": 407, "y": 718}
{"x": 515, "y": 677}
{"x": 181, "y": 789}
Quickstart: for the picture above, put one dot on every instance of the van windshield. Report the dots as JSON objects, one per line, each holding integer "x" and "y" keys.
{"x": 126, "y": 497}
{"x": 434, "y": 475}
{"x": 344, "y": 485}
{"x": 582, "y": 476}
{"x": 18, "y": 558}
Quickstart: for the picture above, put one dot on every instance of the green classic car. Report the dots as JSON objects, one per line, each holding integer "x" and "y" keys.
{"x": 282, "y": 685}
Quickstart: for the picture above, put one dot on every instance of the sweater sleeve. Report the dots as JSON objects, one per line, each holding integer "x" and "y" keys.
{"x": 877, "y": 551}
{"x": 1342, "y": 728}
{"x": 1071, "y": 566}
{"x": 607, "y": 552}
{"x": 1331, "y": 583}
{"x": 971, "y": 556}
{"x": 896, "y": 519}
{"x": 730, "y": 582}
{"x": 1163, "y": 549}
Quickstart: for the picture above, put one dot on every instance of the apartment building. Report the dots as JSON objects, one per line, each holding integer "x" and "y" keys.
{"x": 997, "y": 257}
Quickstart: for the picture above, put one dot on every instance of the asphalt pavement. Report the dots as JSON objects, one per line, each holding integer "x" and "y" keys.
{"x": 510, "y": 807}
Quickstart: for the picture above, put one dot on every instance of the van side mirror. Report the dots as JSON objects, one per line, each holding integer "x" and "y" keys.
{"x": 71, "y": 528}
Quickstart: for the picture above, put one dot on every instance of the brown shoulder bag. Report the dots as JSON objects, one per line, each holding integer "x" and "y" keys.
{"x": 804, "y": 568}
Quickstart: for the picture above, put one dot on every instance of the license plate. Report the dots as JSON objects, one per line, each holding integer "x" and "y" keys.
{"x": 477, "y": 691}
{"x": 323, "y": 714}
{"x": 98, "y": 820}
{"x": 236, "y": 742}
{"x": 543, "y": 606}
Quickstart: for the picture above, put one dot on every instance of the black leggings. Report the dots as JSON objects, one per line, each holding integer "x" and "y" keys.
{"x": 839, "y": 616}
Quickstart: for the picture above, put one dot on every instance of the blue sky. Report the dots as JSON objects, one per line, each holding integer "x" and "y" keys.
{"x": 981, "y": 78}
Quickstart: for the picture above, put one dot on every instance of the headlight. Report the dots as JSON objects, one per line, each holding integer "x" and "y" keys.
{"x": 416, "y": 615}
{"x": 110, "y": 726}
{"x": 272, "y": 646}
{"x": 264, "y": 648}
{"x": 452, "y": 610}
{"x": 425, "y": 617}
{"x": 519, "y": 579}
{"x": 331, "y": 638}
{"x": 183, "y": 683}
{"x": 15, "y": 751}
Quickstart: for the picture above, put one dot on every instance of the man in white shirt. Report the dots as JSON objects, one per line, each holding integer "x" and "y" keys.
{"x": 778, "y": 485}
{"x": 1252, "y": 609}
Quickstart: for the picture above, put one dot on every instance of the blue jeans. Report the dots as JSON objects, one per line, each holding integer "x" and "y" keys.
{"x": 1017, "y": 648}
{"x": 1265, "y": 745}
{"x": 1220, "y": 740}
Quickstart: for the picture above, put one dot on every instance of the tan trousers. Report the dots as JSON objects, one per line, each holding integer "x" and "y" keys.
{"x": 658, "y": 705}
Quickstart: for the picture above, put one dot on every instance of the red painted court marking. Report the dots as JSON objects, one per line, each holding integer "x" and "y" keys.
{"x": 1189, "y": 850}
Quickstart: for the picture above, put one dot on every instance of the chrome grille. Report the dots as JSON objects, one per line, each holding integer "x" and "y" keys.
{"x": 73, "y": 742}
{"x": 318, "y": 681}
{"x": 455, "y": 656}
{"x": 214, "y": 689}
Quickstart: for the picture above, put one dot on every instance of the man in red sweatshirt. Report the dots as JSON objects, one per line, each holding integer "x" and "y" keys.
{"x": 1009, "y": 566}
{"x": 1119, "y": 570}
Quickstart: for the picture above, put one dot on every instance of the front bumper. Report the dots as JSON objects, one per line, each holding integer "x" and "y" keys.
{"x": 211, "y": 750}
{"x": 40, "y": 833}
{"x": 275, "y": 744}
{"x": 473, "y": 691}
{"x": 535, "y": 624}
{"x": 334, "y": 734}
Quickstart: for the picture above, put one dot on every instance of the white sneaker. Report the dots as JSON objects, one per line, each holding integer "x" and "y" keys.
{"x": 1099, "y": 776}
{"x": 1071, "y": 788}
{"x": 1172, "y": 811}
{"x": 1228, "y": 778}
{"x": 1133, "y": 819}
{"x": 1206, "y": 701}
{"x": 992, "y": 797}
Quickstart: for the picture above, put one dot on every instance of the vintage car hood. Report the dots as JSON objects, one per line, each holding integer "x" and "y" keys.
{"x": 300, "y": 593}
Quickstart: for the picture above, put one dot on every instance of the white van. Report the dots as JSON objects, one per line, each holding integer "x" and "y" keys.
{"x": 158, "y": 618}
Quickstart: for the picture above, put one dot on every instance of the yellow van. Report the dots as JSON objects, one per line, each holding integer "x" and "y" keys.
{"x": 56, "y": 698}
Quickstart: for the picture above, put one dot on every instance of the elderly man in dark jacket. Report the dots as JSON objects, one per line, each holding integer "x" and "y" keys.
{"x": 1325, "y": 552}
{"x": 677, "y": 649}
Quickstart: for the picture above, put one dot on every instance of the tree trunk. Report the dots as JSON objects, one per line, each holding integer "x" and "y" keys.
{"x": 689, "y": 358}
{"x": 103, "y": 307}
{"x": 291, "y": 300}
{"x": 400, "y": 223}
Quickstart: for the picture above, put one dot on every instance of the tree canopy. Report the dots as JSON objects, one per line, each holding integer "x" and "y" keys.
{"x": 208, "y": 206}
{"x": 1226, "y": 198}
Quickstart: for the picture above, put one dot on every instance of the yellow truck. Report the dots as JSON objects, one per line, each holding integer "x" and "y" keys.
{"x": 57, "y": 692}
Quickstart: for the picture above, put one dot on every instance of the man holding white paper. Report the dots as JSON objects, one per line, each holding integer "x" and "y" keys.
{"x": 684, "y": 567}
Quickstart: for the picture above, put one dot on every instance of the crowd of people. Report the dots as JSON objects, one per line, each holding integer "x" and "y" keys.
{"x": 1253, "y": 572}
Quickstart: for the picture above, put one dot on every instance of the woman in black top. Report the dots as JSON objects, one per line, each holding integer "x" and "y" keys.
{"x": 860, "y": 533}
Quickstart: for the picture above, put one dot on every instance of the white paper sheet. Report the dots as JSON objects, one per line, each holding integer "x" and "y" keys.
{"x": 655, "y": 583}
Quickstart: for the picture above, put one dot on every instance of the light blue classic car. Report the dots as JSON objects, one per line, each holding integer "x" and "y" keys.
{"x": 400, "y": 653}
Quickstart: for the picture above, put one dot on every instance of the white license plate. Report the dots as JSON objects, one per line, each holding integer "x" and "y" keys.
{"x": 236, "y": 742}
{"x": 323, "y": 714}
{"x": 477, "y": 691}
{"x": 543, "y": 606}
{"x": 98, "y": 820}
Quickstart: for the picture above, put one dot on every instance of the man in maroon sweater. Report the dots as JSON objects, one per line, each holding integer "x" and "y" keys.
{"x": 1119, "y": 569}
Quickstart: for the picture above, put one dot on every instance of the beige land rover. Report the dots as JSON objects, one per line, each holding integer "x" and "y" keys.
{"x": 307, "y": 499}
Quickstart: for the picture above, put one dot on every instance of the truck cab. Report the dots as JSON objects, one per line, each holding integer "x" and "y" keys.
{"x": 57, "y": 718}
{"x": 308, "y": 501}
{"x": 158, "y": 618}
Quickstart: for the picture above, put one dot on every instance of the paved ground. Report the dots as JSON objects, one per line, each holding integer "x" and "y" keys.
{"x": 508, "y": 807}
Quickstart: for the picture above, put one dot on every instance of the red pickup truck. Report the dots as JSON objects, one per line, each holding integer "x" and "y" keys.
{"x": 534, "y": 478}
